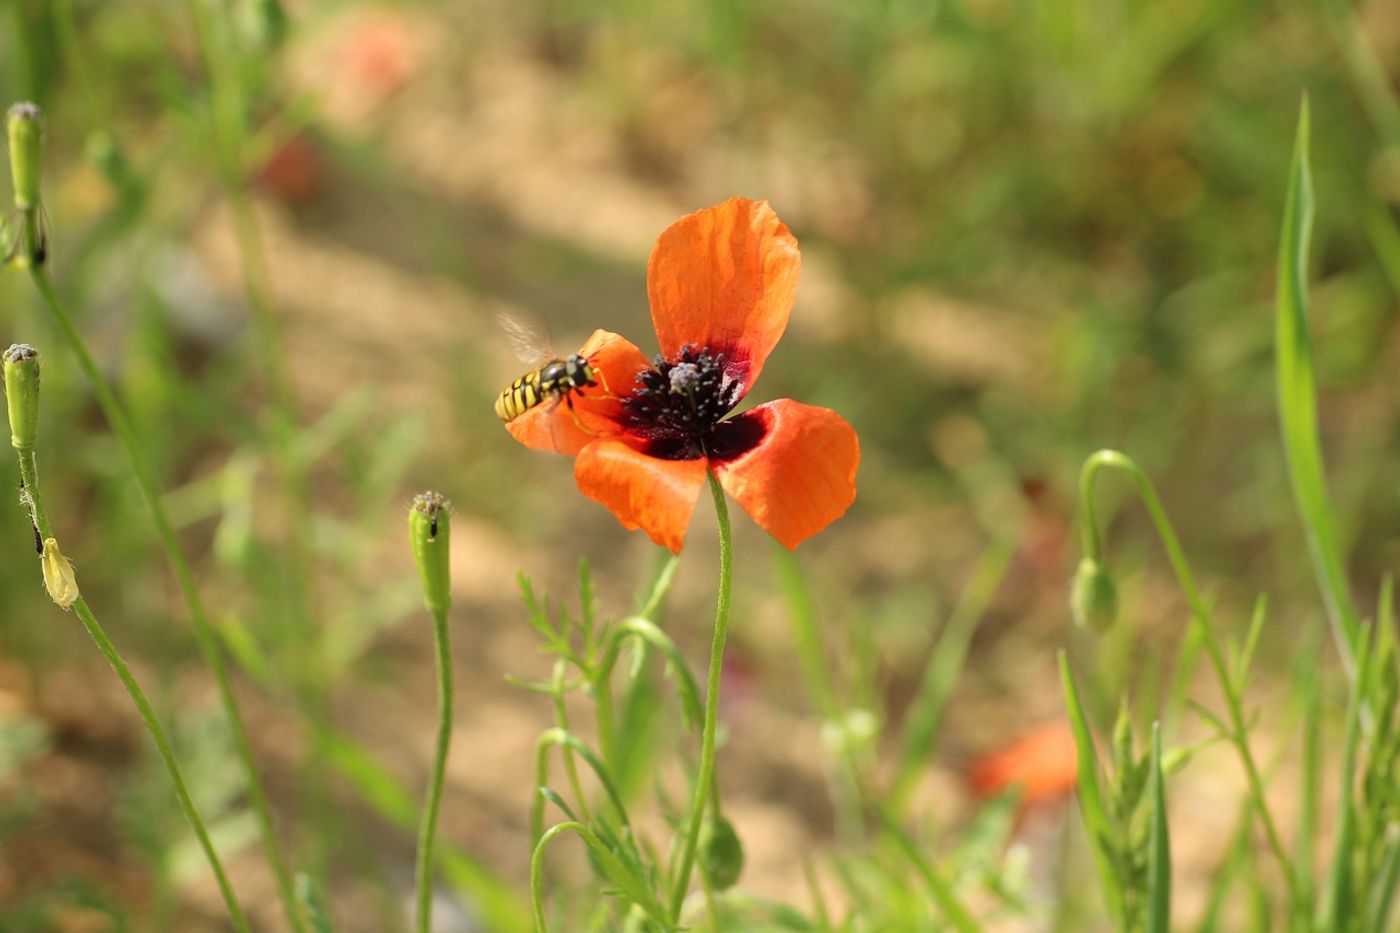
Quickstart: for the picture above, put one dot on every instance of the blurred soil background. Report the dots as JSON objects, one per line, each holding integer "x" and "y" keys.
{"x": 1029, "y": 230}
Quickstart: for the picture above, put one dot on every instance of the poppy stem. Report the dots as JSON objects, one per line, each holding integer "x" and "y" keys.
{"x": 427, "y": 830}
{"x": 29, "y": 479}
{"x": 210, "y": 646}
{"x": 705, "y": 777}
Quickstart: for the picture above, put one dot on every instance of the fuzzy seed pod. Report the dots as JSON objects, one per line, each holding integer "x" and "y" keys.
{"x": 1093, "y": 596}
{"x": 21, "y": 364}
{"x": 429, "y": 531}
{"x": 24, "y": 123}
{"x": 721, "y": 853}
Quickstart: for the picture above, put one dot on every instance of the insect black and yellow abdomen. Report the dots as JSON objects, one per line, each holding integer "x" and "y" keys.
{"x": 519, "y": 397}
{"x": 555, "y": 380}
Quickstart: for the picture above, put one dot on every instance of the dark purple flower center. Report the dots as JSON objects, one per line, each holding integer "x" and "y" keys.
{"x": 677, "y": 404}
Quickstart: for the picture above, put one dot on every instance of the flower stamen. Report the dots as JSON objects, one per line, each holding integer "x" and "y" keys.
{"x": 678, "y": 401}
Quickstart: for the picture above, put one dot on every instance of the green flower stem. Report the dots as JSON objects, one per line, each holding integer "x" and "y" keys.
{"x": 613, "y": 867}
{"x": 1113, "y": 459}
{"x": 167, "y": 754}
{"x": 707, "y": 733}
{"x": 561, "y": 721}
{"x": 29, "y": 475}
{"x": 427, "y": 832}
{"x": 208, "y": 642}
{"x": 32, "y": 246}
{"x": 217, "y": 35}
{"x": 602, "y": 681}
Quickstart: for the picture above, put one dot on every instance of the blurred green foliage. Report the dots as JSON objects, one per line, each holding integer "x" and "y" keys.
{"x": 1088, "y": 191}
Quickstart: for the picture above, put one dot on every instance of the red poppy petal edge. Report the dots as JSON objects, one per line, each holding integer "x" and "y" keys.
{"x": 800, "y": 476}
{"x": 644, "y": 492}
{"x": 724, "y": 278}
{"x": 596, "y": 411}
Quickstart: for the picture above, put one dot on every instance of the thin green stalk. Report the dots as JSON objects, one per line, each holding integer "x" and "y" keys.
{"x": 208, "y": 642}
{"x": 167, "y": 754}
{"x": 215, "y": 33}
{"x": 613, "y": 867}
{"x": 29, "y": 476}
{"x": 802, "y": 613}
{"x": 941, "y": 670}
{"x": 1200, "y": 619}
{"x": 427, "y": 833}
{"x": 561, "y": 720}
{"x": 707, "y": 733}
{"x": 602, "y": 680}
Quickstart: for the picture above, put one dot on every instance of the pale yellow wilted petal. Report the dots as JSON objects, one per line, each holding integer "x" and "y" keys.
{"x": 59, "y": 578}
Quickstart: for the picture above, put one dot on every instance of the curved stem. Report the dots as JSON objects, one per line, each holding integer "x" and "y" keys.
{"x": 208, "y": 642}
{"x": 29, "y": 476}
{"x": 561, "y": 721}
{"x": 612, "y": 866}
{"x": 167, "y": 754}
{"x": 427, "y": 832}
{"x": 1201, "y": 620}
{"x": 602, "y": 683}
{"x": 707, "y": 733}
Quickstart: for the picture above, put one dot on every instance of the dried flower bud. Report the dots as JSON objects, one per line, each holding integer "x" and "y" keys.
{"x": 721, "y": 853}
{"x": 1093, "y": 597}
{"x": 59, "y": 578}
{"x": 24, "y": 123}
{"x": 21, "y": 363}
{"x": 429, "y": 530}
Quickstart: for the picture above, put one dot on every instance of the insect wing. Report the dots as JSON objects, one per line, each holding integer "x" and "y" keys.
{"x": 526, "y": 340}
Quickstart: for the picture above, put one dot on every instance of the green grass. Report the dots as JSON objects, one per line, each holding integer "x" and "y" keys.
{"x": 1031, "y": 232}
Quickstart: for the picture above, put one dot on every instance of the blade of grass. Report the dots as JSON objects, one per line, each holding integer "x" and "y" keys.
{"x": 939, "y": 889}
{"x": 488, "y": 893}
{"x": 1241, "y": 847}
{"x": 1310, "y": 690}
{"x": 1159, "y": 853}
{"x": 1297, "y": 399}
{"x": 941, "y": 671}
{"x": 1090, "y": 798}
{"x": 1336, "y": 904}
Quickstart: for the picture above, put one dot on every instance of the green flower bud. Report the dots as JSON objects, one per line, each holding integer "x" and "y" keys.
{"x": 429, "y": 531}
{"x": 1093, "y": 598}
{"x": 721, "y": 853}
{"x": 21, "y": 362}
{"x": 266, "y": 23}
{"x": 24, "y": 123}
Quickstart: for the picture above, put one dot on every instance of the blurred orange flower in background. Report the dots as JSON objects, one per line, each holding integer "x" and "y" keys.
{"x": 721, "y": 284}
{"x": 1043, "y": 763}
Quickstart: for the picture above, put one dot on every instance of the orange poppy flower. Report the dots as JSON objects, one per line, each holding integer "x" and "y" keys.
{"x": 721, "y": 283}
{"x": 1044, "y": 764}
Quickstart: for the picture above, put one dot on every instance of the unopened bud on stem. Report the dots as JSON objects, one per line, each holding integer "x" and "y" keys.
{"x": 429, "y": 531}
{"x": 21, "y": 363}
{"x": 1093, "y": 596}
{"x": 721, "y": 853}
{"x": 24, "y": 124}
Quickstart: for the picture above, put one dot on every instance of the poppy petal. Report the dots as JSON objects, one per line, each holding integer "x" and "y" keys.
{"x": 792, "y": 467}
{"x": 596, "y": 411}
{"x": 644, "y": 492}
{"x": 723, "y": 279}
{"x": 1044, "y": 763}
